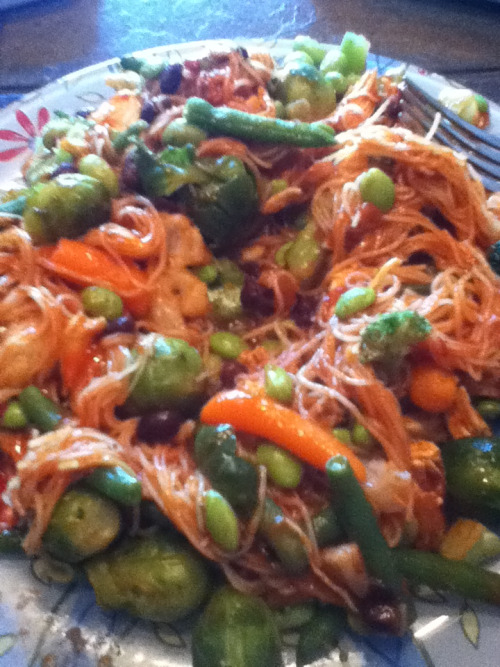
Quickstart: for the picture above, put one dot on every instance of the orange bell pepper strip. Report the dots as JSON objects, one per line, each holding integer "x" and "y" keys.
{"x": 265, "y": 418}
{"x": 126, "y": 245}
{"x": 83, "y": 264}
{"x": 78, "y": 350}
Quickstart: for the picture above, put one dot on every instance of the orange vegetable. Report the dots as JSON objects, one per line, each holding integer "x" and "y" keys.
{"x": 119, "y": 112}
{"x": 267, "y": 419}
{"x": 78, "y": 352}
{"x": 126, "y": 245}
{"x": 291, "y": 195}
{"x": 85, "y": 265}
{"x": 221, "y": 146}
{"x": 14, "y": 445}
{"x": 461, "y": 538}
{"x": 433, "y": 389}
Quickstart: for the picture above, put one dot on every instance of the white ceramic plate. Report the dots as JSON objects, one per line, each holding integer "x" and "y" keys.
{"x": 61, "y": 626}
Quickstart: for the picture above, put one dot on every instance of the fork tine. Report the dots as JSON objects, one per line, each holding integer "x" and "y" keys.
{"x": 470, "y": 144}
{"x": 481, "y": 135}
{"x": 489, "y": 166}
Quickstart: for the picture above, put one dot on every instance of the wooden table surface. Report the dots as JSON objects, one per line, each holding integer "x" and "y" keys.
{"x": 45, "y": 39}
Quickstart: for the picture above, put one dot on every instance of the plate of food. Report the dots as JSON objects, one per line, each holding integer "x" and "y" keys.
{"x": 250, "y": 367}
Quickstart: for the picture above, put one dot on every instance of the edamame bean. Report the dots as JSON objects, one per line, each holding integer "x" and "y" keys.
{"x": 98, "y": 168}
{"x": 227, "y": 345}
{"x": 208, "y": 274}
{"x": 277, "y": 185}
{"x": 235, "y": 478}
{"x": 278, "y": 384}
{"x": 488, "y": 408}
{"x": 303, "y": 254}
{"x": 221, "y": 521}
{"x": 40, "y": 410}
{"x": 354, "y": 300}
{"x": 377, "y": 188}
{"x": 282, "y": 468}
{"x": 101, "y": 302}
{"x": 179, "y": 133}
{"x": 362, "y": 437}
{"x": 284, "y": 541}
{"x": 343, "y": 434}
{"x": 14, "y": 417}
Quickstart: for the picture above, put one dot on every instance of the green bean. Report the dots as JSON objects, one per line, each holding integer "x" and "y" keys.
{"x": 226, "y": 302}
{"x": 460, "y": 577}
{"x": 40, "y": 410}
{"x": 122, "y": 139}
{"x": 354, "y": 300}
{"x": 283, "y": 540}
{"x": 98, "y": 168}
{"x": 283, "y": 468}
{"x": 13, "y": 206}
{"x": 221, "y": 521}
{"x": 377, "y": 188}
{"x": 239, "y": 124}
{"x": 118, "y": 483}
{"x": 14, "y": 417}
{"x": 209, "y": 439}
{"x": 358, "y": 520}
{"x": 227, "y": 345}
{"x": 278, "y": 383}
{"x": 362, "y": 437}
{"x": 327, "y": 528}
{"x": 320, "y": 635}
{"x": 101, "y": 302}
{"x": 10, "y": 542}
{"x": 179, "y": 133}
{"x": 488, "y": 408}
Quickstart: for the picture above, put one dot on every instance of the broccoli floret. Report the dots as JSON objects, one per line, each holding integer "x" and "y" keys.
{"x": 389, "y": 338}
{"x": 493, "y": 257}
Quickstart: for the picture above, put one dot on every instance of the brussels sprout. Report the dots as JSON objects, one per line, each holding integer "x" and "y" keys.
{"x": 156, "y": 577}
{"x": 236, "y": 630}
{"x": 83, "y": 523}
{"x": 98, "y": 168}
{"x": 66, "y": 207}
{"x": 168, "y": 379}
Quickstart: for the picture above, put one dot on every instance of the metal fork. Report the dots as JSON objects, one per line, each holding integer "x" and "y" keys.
{"x": 482, "y": 149}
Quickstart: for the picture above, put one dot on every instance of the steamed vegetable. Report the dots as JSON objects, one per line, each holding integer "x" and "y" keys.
{"x": 65, "y": 207}
{"x": 155, "y": 577}
{"x": 390, "y": 337}
{"x": 117, "y": 483}
{"x": 236, "y": 630}
{"x": 83, "y": 523}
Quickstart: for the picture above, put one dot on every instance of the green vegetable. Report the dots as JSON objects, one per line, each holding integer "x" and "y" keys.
{"x": 210, "y": 439}
{"x": 223, "y": 203}
{"x": 327, "y": 528}
{"x": 390, "y": 337}
{"x": 461, "y": 101}
{"x": 362, "y": 437}
{"x": 278, "y": 383}
{"x": 13, "y": 206}
{"x": 169, "y": 378}
{"x": 488, "y": 408}
{"x": 334, "y": 61}
{"x": 493, "y": 257}
{"x": 149, "y": 69}
{"x": 462, "y": 578}
{"x": 343, "y": 434}
{"x": 293, "y": 616}
{"x": 227, "y": 345}
{"x": 226, "y": 302}
{"x": 377, "y": 188}
{"x": 123, "y": 139}
{"x": 242, "y": 125}
{"x": 472, "y": 467}
{"x": 208, "y": 274}
{"x": 302, "y": 256}
{"x": 65, "y": 207}
{"x": 320, "y": 635}
{"x": 221, "y": 521}
{"x": 280, "y": 256}
{"x": 236, "y": 630}
{"x": 355, "y": 48}
{"x": 70, "y": 127}
{"x": 282, "y": 539}
{"x": 162, "y": 175}
{"x": 83, "y": 523}
{"x": 229, "y": 272}
{"x": 118, "y": 483}
{"x": 309, "y": 46}
{"x": 101, "y": 302}
{"x": 10, "y": 542}
{"x": 98, "y": 168}
{"x": 180, "y": 133}
{"x": 358, "y": 520}
{"x": 338, "y": 82}
{"x": 14, "y": 417}
{"x": 482, "y": 103}
{"x": 304, "y": 82}
{"x": 40, "y": 410}
{"x": 45, "y": 163}
{"x": 294, "y": 57}
{"x": 155, "y": 577}
{"x": 354, "y": 300}
{"x": 282, "y": 468}
{"x": 235, "y": 479}
{"x": 277, "y": 185}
